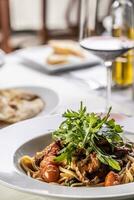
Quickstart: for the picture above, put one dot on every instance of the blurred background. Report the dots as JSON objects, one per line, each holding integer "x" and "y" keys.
{"x": 35, "y": 22}
{"x": 30, "y": 23}
{"x": 63, "y": 68}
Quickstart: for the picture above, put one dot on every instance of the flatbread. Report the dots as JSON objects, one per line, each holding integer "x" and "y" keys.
{"x": 17, "y": 105}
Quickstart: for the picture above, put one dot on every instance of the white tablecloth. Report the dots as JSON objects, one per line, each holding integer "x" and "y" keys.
{"x": 71, "y": 92}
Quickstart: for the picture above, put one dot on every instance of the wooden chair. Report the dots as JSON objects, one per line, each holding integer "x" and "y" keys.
{"x": 72, "y": 30}
{"x": 5, "y": 25}
{"x": 46, "y": 33}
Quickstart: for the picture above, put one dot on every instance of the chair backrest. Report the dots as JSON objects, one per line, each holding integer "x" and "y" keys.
{"x": 69, "y": 13}
{"x": 55, "y": 18}
{"x": 73, "y": 13}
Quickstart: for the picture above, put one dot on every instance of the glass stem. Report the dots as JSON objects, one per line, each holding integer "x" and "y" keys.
{"x": 108, "y": 91}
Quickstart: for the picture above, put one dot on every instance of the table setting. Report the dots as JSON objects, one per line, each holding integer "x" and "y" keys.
{"x": 67, "y": 95}
{"x": 67, "y": 113}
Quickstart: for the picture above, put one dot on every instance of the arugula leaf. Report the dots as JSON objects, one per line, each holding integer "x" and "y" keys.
{"x": 104, "y": 158}
{"x": 109, "y": 161}
{"x": 114, "y": 164}
{"x": 81, "y": 130}
{"x": 112, "y": 124}
{"x": 66, "y": 154}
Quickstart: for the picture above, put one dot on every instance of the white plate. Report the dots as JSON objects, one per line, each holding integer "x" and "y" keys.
{"x": 35, "y": 57}
{"x": 36, "y": 131}
{"x": 49, "y": 96}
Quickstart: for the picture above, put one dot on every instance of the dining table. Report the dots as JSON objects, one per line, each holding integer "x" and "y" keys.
{"x": 72, "y": 87}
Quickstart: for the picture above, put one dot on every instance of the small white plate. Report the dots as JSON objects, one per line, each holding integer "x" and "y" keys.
{"x": 29, "y": 136}
{"x": 36, "y": 57}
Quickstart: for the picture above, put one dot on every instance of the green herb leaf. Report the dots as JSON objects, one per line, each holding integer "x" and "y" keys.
{"x": 83, "y": 130}
{"x": 114, "y": 164}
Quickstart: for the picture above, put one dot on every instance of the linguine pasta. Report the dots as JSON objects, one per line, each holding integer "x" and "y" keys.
{"x": 87, "y": 150}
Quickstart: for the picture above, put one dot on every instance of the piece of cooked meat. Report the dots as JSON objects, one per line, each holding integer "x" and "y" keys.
{"x": 112, "y": 178}
{"x": 88, "y": 165}
{"x": 52, "y": 149}
{"x": 100, "y": 173}
{"x": 121, "y": 151}
{"x": 49, "y": 170}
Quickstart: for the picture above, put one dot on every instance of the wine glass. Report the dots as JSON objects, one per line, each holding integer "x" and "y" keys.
{"x": 106, "y": 47}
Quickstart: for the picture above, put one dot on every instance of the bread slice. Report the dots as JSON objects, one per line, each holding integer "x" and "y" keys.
{"x": 66, "y": 47}
{"x": 55, "y": 59}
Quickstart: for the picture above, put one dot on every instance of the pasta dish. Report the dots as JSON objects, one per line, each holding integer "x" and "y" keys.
{"x": 88, "y": 149}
